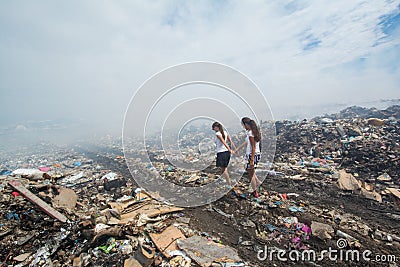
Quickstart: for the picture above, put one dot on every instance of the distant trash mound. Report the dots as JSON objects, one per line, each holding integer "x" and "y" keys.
{"x": 392, "y": 112}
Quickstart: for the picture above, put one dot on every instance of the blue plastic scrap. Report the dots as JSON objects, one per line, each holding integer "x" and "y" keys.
{"x": 296, "y": 209}
{"x": 271, "y": 227}
{"x": 5, "y": 172}
{"x": 13, "y": 215}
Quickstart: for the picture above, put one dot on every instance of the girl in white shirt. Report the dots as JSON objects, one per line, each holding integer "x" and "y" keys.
{"x": 253, "y": 153}
{"x": 223, "y": 150}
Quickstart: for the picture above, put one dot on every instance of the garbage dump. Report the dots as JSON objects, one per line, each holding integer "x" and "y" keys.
{"x": 334, "y": 180}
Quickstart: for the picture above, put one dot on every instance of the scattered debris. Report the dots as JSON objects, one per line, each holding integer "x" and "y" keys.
{"x": 66, "y": 198}
{"x": 322, "y": 230}
{"x": 347, "y": 181}
{"x": 333, "y": 178}
{"x": 34, "y": 199}
{"x": 206, "y": 252}
{"x": 166, "y": 241}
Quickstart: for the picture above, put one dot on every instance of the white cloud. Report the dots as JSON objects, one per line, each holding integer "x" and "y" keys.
{"x": 93, "y": 55}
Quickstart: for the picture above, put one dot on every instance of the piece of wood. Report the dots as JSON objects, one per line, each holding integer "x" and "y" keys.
{"x": 166, "y": 241}
{"x": 39, "y": 202}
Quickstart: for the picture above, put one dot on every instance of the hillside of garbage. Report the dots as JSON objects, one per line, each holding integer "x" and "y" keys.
{"x": 334, "y": 184}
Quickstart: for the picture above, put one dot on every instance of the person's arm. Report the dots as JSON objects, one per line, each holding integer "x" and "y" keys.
{"x": 253, "y": 150}
{"x": 230, "y": 141}
{"x": 240, "y": 147}
{"x": 225, "y": 144}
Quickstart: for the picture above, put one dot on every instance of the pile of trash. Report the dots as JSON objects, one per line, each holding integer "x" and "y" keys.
{"x": 360, "y": 155}
{"x": 331, "y": 180}
{"x": 392, "y": 112}
{"x": 71, "y": 211}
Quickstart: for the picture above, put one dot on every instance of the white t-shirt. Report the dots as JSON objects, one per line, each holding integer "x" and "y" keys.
{"x": 220, "y": 146}
{"x": 248, "y": 148}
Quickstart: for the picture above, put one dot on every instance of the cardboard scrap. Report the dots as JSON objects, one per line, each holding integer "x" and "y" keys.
{"x": 132, "y": 262}
{"x": 65, "y": 199}
{"x": 78, "y": 261}
{"x": 22, "y": 257}
{"x": 150, "y": 209}
{"x": 206, "y": 252}
{"x": 166, "y": 241}
{"x": 384, "y": 177}
{"x": 367, "y": 186}
{"x": 395, "y": 192}
{"x": 144, "y": 256}
{"x": 371, "y": 195}
{"x": 121, "y": 206}
{"x": 347, "y": 181}
{"x": 141, "y": 197}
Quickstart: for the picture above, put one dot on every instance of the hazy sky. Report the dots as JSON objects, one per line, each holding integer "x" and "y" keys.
{"x": 84, "y": 60}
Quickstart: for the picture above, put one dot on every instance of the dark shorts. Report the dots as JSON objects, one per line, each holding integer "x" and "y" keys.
{"x": 223, "y": 159}
{"x": 257, "y": 158}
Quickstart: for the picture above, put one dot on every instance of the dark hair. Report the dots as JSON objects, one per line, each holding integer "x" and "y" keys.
{"x": 220, "y": 128}
{"x": 253, "y": 127}
{"x": 246, "y": 120}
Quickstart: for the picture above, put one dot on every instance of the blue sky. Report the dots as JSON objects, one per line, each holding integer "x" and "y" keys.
{"x": 85, "y": 59}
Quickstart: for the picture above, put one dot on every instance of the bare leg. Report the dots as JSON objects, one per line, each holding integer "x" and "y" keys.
{"x": 253, "y": 181}
{"x": 224, "y": 171}
{"x": 256, "y": 180}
